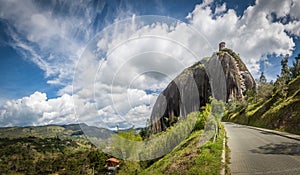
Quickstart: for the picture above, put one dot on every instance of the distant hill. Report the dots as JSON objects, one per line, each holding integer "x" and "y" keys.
{"x": 62, "y": 131}
{"x": 51, "y": 149}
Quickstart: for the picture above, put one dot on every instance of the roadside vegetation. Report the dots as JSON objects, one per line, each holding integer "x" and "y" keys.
{"x": 273, "y": 105}
{"x": 189, "y": 156}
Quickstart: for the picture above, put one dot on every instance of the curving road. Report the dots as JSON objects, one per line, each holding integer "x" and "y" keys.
{"x": 259, "y": 151}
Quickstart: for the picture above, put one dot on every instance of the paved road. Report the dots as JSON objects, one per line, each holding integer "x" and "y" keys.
{"x": 255, "y": 151}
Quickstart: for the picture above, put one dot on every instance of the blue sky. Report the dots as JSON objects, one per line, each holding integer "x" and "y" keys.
{"x": 43, "y": 42}
{"x": 20, "y": 77}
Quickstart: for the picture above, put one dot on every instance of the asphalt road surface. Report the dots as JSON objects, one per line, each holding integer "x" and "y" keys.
{"x": 255, "y": 151}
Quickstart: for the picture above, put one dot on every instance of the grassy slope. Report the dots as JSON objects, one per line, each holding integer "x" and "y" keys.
{"x": 274, "y": 113}
{"x": 187, "y": 158}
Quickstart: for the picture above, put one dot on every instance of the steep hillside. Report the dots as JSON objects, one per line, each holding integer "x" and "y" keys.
{"x": 187, "y": 158}
{"x": 275, "y": 113}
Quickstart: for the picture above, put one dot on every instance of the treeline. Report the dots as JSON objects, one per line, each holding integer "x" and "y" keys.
{"x": 266, "y": 89}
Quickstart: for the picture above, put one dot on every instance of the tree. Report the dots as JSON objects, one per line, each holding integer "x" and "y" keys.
{"x": 281, "y": 86}
{"x": 262, "y": 78}
{"x": 264, "y": 89}
{"x": 295, "y": 69}
{"x": 284, "y": 78}
{"x": 285, "y": 72}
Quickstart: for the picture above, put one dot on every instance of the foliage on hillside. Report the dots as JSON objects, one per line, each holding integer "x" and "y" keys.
{"x": 279, "y": 111}
{"x": 189, "y": 156}
{"x": 128, "y": 145}
{"x": 48, "y": 149}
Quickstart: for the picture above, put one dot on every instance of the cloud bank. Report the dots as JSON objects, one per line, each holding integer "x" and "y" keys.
{"x": 119, "y": 73}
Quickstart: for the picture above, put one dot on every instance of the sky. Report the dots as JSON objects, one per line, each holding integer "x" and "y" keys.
{"x": 105, "y": 62}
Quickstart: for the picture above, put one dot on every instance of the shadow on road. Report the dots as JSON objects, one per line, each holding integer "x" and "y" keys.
{"x": 286, "y": 148}
{"x": 267, "y": 133}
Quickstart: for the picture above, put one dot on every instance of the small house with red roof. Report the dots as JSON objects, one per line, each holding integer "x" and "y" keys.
{"x": 112, "y": 164}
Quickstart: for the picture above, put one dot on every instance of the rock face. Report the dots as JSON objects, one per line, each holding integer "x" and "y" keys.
{"x": 223, "y": 76}
{"x": 238, "y": 77}
{"x": 186, "y": 93}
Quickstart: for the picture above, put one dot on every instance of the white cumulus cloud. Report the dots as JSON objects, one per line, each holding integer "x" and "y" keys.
{"x": 253, "y": 35}
{"x": 118, "y": 75}
{"x": 36, "y": 109}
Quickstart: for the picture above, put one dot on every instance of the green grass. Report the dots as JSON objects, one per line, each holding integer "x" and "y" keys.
{"x": 227, "y": 157}
{"x": 190, "y": 156}
{"x": 187, "y": 158}
{"x": 278, "y": 112}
